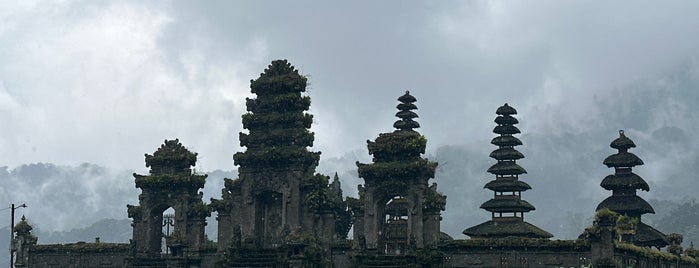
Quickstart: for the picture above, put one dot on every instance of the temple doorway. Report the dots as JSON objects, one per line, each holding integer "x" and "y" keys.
{"x": 396, "y": 226}
{"x": 268, "y": 219}
{"x": 168, "y": 228}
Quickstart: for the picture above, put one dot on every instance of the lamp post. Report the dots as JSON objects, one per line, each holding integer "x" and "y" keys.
{"x": 12, "y": 232}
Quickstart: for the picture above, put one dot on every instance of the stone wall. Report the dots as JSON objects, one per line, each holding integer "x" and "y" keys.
{"x": 79, "y": 255}
{"x": 456, "y": 253}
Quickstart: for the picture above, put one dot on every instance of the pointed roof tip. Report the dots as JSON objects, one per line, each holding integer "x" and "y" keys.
{"x": 407, "y": 98}
{"x": 623, "y": 142}
{"x": 405, "y": 114}
{"x": 279, "y": 67}
{"x": 506, "y": 110}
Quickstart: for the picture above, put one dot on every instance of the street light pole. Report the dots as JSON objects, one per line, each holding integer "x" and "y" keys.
{"x": 12, "y": 232}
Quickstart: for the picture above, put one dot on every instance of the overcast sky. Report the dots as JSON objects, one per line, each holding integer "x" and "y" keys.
{"x": 104, "y": 82}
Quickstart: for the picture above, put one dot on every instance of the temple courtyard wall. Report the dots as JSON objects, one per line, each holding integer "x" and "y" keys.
{"x": 454, "y": 253}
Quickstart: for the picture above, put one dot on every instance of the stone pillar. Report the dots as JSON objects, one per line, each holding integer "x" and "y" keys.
{"x": 371, "y": 231}
{"x": 431, "y": 229}
{"x": 602, "y": 241}
{"x": 416, "y": 218}
{"x": 225, "y": 232}
{"x": 357, "y": 222}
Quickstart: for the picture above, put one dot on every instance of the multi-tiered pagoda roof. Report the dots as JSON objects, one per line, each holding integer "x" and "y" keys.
{"x": 624, "y": 184}
{"x": 277, "y": 123}
{"x": 506, "y": 206}
{"x": 396, "y": 155}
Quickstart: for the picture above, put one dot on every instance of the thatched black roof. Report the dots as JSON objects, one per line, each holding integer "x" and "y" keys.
{"x": 507, "y": 185}
{"x": 502, "y": 229}
{"x": 506, "y": 141}
{"x": 506, "y": 130}
{"x": 506, "y": 171}
{"x": 505, "y": 110}
{"x": 626, "y": 204}
{"x": 406, "y": 106}
{"x": 648, "y": 236}
{"x": 624, "y": 181}
{"x": 504, "y": 205}
{"x": 622, "y": 143}
{"x": 506, "y": 153}
{"x": 506, "y": 168}
{"x": 406, "y": 114}
{"x": 623, "y": 159}
{"x": 445, "y": 237}
{"x": 506, "y": 120}
{"x": 407, "y": 98}
{"x": 406, "y": 124}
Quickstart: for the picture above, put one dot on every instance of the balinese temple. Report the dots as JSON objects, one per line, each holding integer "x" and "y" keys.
{"x": 397, "y": 210}
{"x": 506, "y": 207}
{"x": 279, "y": 212}
{"x": 272, "y": 196}
{"x": 623, "y": 184}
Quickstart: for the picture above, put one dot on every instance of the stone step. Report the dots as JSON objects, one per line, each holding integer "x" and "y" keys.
{"x": 387, "y": 261}
{"x": 257, "y": 258}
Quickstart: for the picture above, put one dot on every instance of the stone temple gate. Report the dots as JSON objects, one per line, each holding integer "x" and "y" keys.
{"x": 170, "y": 184}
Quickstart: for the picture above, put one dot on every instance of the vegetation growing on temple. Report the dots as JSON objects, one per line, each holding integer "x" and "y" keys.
{"x": 624, "y": 184}
{"x": 396, "y": 155}
{"x": 171, "y": 183}
{"x": 398, "y": 212}
{"x": 277, "y": 123}
{"x": 170, "y": 167}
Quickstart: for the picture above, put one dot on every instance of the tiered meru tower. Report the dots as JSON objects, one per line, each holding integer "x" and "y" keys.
{"x": 623, "y": 184}
{"x": 170, "y": 184}
{"x": 397, "y": 211}
{"x": 276, "y": 192}
{"x": 506, "y": 207}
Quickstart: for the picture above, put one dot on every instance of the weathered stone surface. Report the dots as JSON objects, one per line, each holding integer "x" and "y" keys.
{"x": 397, "y": 212}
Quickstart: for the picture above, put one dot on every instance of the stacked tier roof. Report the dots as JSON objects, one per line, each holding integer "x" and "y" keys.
{"x": 506, "y": 206}
{"x": 623, "y": 184}
{"x": 396, "y": 155}
{"x": 277, "y": 122}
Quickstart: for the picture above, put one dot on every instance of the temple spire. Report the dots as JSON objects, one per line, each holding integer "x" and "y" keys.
{"x": 624, "y": 184}
{"x": 396, "y": 199}
{"x": 506, "y": 207}
{"x": 405, "y": 113}
{"x": 277, "y": 123}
